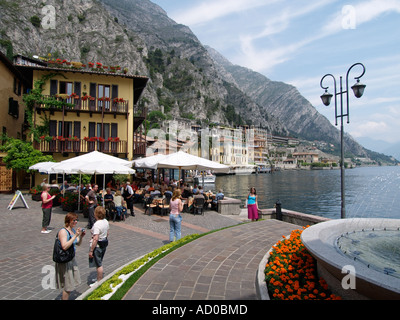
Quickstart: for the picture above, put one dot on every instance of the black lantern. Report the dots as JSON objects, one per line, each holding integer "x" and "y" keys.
{"x": 326, "y": 98}
{"x": 358, "y": 89}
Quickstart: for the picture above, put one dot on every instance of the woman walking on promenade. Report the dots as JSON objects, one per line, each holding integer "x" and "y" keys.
{"x": 67, "y": 274}
{"x": 47, "y": 204}
{"x": 252, "y": 205}
{"x": 99, "y": 241}
{"x": 175, "y": 217}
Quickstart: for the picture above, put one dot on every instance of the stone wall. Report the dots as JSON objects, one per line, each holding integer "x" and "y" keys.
{"x": 298, "y": 218}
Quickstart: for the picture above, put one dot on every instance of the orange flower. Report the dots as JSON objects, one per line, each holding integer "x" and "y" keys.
{"x": 293, "y": 269}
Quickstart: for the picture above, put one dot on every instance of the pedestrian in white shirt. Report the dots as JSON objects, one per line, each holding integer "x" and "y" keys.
{"x": 99, "y": 241}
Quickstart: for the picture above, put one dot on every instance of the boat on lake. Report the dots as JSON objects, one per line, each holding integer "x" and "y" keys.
{"x": 208, "y": 179}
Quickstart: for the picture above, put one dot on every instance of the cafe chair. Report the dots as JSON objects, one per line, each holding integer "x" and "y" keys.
{"x": 150, "y": 206}
{"x": 198, "y": 206}
{"x": 164, "y": 207}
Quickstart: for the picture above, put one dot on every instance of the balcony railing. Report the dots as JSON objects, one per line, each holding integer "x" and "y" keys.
{"x": 81, "y": 146}
{"x": 84, "y": 104}
{"x": 84, "y": 146}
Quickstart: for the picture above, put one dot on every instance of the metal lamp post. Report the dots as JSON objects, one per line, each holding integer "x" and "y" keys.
{"x": 358, "y": 90}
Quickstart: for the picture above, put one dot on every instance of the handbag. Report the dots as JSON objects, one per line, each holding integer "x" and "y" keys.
{"x": 103, "y": 243}
{"x": 59, "y": 254}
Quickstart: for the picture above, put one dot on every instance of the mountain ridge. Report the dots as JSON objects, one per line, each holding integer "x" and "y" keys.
{"x": 186, "y": 79}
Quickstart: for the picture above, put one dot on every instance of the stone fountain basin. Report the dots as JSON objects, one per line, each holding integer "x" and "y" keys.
{"x": 320, "y": 240}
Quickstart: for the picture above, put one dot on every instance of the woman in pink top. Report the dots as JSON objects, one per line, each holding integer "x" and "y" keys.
{"x": 175, "y": 219}
{"x": 47, "y": 204}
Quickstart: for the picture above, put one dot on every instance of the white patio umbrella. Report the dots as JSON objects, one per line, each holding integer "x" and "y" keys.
{"x": 93, "y": 163}
{"x": 186, "y": 161}
{"x": 96, "y": 156}
{"x": 150, "y": 162}
{"x": 101, "y": 167}
{"x": 42, "y": 167}
{"x": 180, "y": 160}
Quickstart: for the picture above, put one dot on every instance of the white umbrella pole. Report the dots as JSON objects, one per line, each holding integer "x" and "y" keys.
{"x": 79, "y": 193}
{"x": 104, "y": 184}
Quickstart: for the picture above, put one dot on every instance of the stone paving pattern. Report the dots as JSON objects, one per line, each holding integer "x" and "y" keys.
{"x": 221, "y": 265}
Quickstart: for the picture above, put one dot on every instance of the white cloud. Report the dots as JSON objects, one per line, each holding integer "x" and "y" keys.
{"x": 211, "y": 10}
{"x": 384, "y": 124}
{"x": 263, "y": 60}
{"x": 365, "y": 129}
{"x": 363, "y": 12}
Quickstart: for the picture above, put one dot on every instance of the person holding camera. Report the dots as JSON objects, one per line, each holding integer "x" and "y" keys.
{"x": 67, "y": 274}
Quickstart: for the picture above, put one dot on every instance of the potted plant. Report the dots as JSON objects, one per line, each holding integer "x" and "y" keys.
{"x": 36, "y": 193}
{"x": 69, "y": 201}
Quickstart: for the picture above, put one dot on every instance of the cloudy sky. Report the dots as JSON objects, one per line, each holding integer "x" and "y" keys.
{"x": 300, "y": 41}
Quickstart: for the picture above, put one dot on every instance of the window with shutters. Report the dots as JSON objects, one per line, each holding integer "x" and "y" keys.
{"x": 13, "y": 108}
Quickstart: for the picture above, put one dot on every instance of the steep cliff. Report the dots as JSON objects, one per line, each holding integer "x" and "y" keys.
{"x": 186, "y": 79}
{"x": 285, "y": 102}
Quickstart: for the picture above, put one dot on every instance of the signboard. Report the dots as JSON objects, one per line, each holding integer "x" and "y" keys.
{"x": 18, "y": 194}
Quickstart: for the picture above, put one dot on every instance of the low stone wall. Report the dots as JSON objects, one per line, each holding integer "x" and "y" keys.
{"x": 298, "y": 218}
{"x": 229, "y": 206}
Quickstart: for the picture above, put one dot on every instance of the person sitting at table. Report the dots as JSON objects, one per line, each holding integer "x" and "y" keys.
{"x": 108, "y": 197}
{"x": 135, "y": 186}
{"x": 120, "y": 206}
{"x": 64, "y": 186}
{"x": 187, "y": 192}
{"x": 218, "y": 196}
{"x": 202, "y": 191}
{"x": 164, "y": 187}
{"x": 155, "y": 193}
{"x": 198, "y": 195}
{"x": 54, "y": 184}
{"x": 149, "y": 186}
{"x": 109, "y": 202}
{"x": 168, "y": 194}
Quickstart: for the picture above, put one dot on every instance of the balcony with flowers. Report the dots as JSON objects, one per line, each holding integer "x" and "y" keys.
{"x": 84, "y": 103}
{"x": 90, "y": 66}
{"x": 60, "y": 144}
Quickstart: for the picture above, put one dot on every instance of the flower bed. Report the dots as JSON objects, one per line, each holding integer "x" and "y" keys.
{"x": 291, "y": 274}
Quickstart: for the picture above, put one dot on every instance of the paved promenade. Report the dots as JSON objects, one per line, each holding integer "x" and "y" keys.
{"x": 221, "y": 265}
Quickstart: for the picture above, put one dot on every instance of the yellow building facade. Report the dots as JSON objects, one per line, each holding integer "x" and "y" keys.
{"x": 12, "y": 88}
{"x": 86, "y": 109}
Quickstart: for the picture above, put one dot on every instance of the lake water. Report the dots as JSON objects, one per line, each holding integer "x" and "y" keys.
{"x": 371, "y": 192}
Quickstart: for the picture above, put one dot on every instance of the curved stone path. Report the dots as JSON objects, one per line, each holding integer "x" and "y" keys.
{"x": 219, "y": 266}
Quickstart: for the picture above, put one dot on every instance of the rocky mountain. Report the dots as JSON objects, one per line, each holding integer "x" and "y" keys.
{"x": 285, "y": 103}
{"x": 187, "y": 79}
